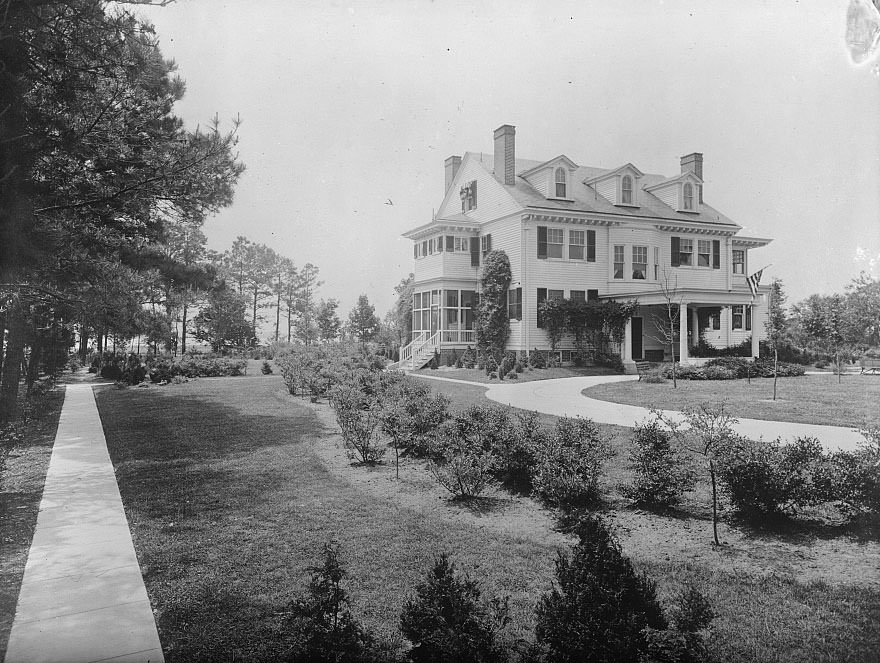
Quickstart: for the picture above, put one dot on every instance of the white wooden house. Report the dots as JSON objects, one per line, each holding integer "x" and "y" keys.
{"x": 575, "y": 231}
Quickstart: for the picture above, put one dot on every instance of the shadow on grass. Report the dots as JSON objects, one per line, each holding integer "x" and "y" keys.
{"x": 481, "y": 505}
{"x": 789, "y": 529}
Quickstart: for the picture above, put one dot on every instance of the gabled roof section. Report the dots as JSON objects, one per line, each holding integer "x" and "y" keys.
{"x": 673, "y": 180}
{"x": 571, "y": 165}
{"x": 612, "y": 173}
{"x": 751, "y": 242}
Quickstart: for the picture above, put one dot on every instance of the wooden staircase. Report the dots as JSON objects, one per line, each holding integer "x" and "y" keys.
{"x": 418, "y": 353}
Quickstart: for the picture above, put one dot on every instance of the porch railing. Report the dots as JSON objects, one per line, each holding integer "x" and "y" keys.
{"x": 457, "y": 336}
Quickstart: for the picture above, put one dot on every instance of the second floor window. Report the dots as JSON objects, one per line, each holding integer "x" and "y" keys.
{"x": 555, "y": 238}
{"x": 485, "y": 244}
{"x": 640, "y": 262}
{"x": 739, "y": 262}
{"x": 626, "y": 190}
{"x": 576, "y": 244}
{"x": 704, "y": 248}
{"x": 560, "y": 183}
{"x": 686, "y": 252}
{"x": 618, "y": 262}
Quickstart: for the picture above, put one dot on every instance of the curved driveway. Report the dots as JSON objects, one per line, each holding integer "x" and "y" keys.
{"x": 563, "y": 397}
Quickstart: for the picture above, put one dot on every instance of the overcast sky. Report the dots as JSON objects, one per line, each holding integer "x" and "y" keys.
{"x": 347, "y": 105}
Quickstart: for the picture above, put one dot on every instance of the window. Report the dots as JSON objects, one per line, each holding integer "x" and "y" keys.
{"x": 468, "y": 196}
{"x": 514, "y": 304}
{"x": 739, "y": 262}
{"x": 560, "y": 183}
{"x": 555, "y": 294}
{"x": 576, "y": 244}
{"x": 451, "y": 298}
{"x": 688, "y": 195}
{"x": 682, "y": 252}
{"x": 578, "y": 295}
{"x": 656, "y": 263}
{"x": 592, "y": 295}
{"x": 591, "y": 246}
{"x": 439, "y": 241}
{"x": 450, "y": 243}
{"x": 626, "y": 190}
{"x": 640, "y": 262}
{"x": 704, "y": 249}
{"x": 555, "y": 237}
{"x": 715, "y": 320}
{"x": 618, "y": 262}
{"x": 736, "y": 317}
{"x": 540, "y": 299}
{"x": 485, "y": 244}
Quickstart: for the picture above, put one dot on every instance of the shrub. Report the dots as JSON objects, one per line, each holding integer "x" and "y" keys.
{"x": 569, "y": 465}
{"x": 661, "y": 474}
{"x": 719, "y": 373}
{"x": 599, "y": 608}
{"x": 537, "y": 359}
{"x": 468, "y": 358}
{"x": 489, "y": 364}
{"x": 768, "y": 478}
{"x": 518, "y": 367}
{"x": 856, "y": 474}
{"x": 448, "y": 623}
{"x": 609, "y": 361}
{"x": 321, "y": 624}
{"x": 179, "y": 379}
{"x": 654, "y": 376}
{"x": 515, "y": 450}
{"x": 266, "y": 368}
{"x": 464, "y": 473}
{"x": 411, "y": 416}
{"x": 162, "y": 369}
{"x": 111, "y": 372}
{"x": 358, "y": 417}
{"x": 513, "y": 375}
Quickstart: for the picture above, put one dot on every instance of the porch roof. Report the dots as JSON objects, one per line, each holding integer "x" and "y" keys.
{"x": 696, "y": 297}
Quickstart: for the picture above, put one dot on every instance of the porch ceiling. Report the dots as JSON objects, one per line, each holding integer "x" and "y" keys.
{"x": 700, "y": 298}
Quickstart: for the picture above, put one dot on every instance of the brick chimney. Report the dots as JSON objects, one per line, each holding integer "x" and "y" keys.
{"x": 452, "y": 165}
{"x": 505, "y": 166}
{"x": 693, "y": 163}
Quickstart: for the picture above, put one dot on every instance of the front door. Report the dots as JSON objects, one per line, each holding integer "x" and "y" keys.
{"x": 637, "y": 338}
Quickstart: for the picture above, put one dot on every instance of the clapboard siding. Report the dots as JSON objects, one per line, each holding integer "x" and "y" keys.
{"x": 492, "y": 200}
{"x": 607, "y": 189}
{"x": 668, "y": 195}
{"x": 541, "y": 181}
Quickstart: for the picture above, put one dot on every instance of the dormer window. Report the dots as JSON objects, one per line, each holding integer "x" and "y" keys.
{"x": 688, "y": 196}
{"x": 560, "y": 183}
{"x": 626, "y": 190}
{"x": 468, "y": 195}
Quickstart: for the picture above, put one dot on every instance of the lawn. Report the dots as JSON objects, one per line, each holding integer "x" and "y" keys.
{"x": 232, "y": 487}
{"x": 529, "y": 374}
{"x": 21, "y": 487}
{"x": 230, "y": 503}
{"x": 811, "y": 399}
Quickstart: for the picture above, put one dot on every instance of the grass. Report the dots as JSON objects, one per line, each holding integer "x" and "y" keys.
{"x": 811, "y": 399}
{"x": 21, "y": 487}
{"x": 528, "y": 375}
{"x": 229, "y": 506}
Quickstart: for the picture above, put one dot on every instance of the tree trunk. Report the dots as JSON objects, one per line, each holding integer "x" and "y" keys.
{"x": 278, "y": 314}
{"x": 837, "y": 361}
{"x": 775, "y": 368}
{"x": 183, "y": 326}
{"x": 2, "y": 336}
{"x": 12, "y": 364}
{"x": 254, "y": 319}
{"x": 33, "y": 364}
{"x": 714, "y": 503}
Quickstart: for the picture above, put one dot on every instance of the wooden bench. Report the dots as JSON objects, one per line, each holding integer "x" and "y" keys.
{"x": 870, "y": 365}
{"x": 643, "y": 367}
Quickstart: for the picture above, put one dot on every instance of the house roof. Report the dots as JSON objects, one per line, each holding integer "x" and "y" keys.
{"x": 546, "y": 164}
{"x": 586, "y": 199}
{"x": 610, "y": 173}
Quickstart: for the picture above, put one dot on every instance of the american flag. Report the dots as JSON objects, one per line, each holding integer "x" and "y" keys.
{"x": 754, "y": 280}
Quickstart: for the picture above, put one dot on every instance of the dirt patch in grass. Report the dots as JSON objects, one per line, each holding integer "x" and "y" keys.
{"x": 810, "y": 399}
{"x": 21, "y": 488}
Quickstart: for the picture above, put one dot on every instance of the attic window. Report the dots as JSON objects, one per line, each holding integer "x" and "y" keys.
{"x": 626, "y": 190}
{"x": 688, "y": 196}
{"x": 468, "y": 196}
{"x": 560, "y": 183}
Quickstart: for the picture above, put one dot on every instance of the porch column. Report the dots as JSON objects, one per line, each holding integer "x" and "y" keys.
{"x": 683, "y": 332}
{"x": 695, "y": 327}
{"x": 629, "y": 366}
{"x": 756, "y": 347}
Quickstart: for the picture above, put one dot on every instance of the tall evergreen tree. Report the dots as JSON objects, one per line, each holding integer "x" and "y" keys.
{"x": 363, "y": 322}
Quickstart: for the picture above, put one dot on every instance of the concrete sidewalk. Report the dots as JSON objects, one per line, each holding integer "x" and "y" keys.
{"x": 563, "y": 397}
{"x": 82, "y": 597}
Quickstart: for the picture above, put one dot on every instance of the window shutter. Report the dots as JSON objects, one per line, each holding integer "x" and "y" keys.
{"x": 474, "y": 193}
{"x": 716, "y": 254}
{"x": 676, "y": 252}
{"x": 488, "y": 242}
{"x": 475, "y": 251}
{"x": 519, "y": 303}
{"x": 542, "y": 243}
{"x": 592, "y": 295}
{"x": 542, "y": 295}
{"x": 450, "y": 243}
{"x": 748, "y": 318}
{"x": 591, "y": 246}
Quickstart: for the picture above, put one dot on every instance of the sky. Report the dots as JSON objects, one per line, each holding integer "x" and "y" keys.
{"x": 346, "y": 106}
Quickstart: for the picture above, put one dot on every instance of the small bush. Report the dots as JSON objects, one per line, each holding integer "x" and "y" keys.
{"x": 512, "y": 375}
{"x": 612, "y": 361}
{"x": 447, "y": 621}
{"x": 320, "y": 623}
{"x": 465, "y": 473}
{"x": 111, "y": 372}
{"x": 661, "y": 474}
{"x": 537, "y": 359}
{"x": 856, "y": 474}
{"x": 654, "y": 377}
{"x": 719, "y": 373}
{"x": 358, "y": 417}
{"x": 266, "y": 368}
{"x": 518, "y": 367}
{"x": 569, "y": 465}
{"x": 468, "y": 358}
{"x": 599, "y": 608}
{"x": 179, "y": 379}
